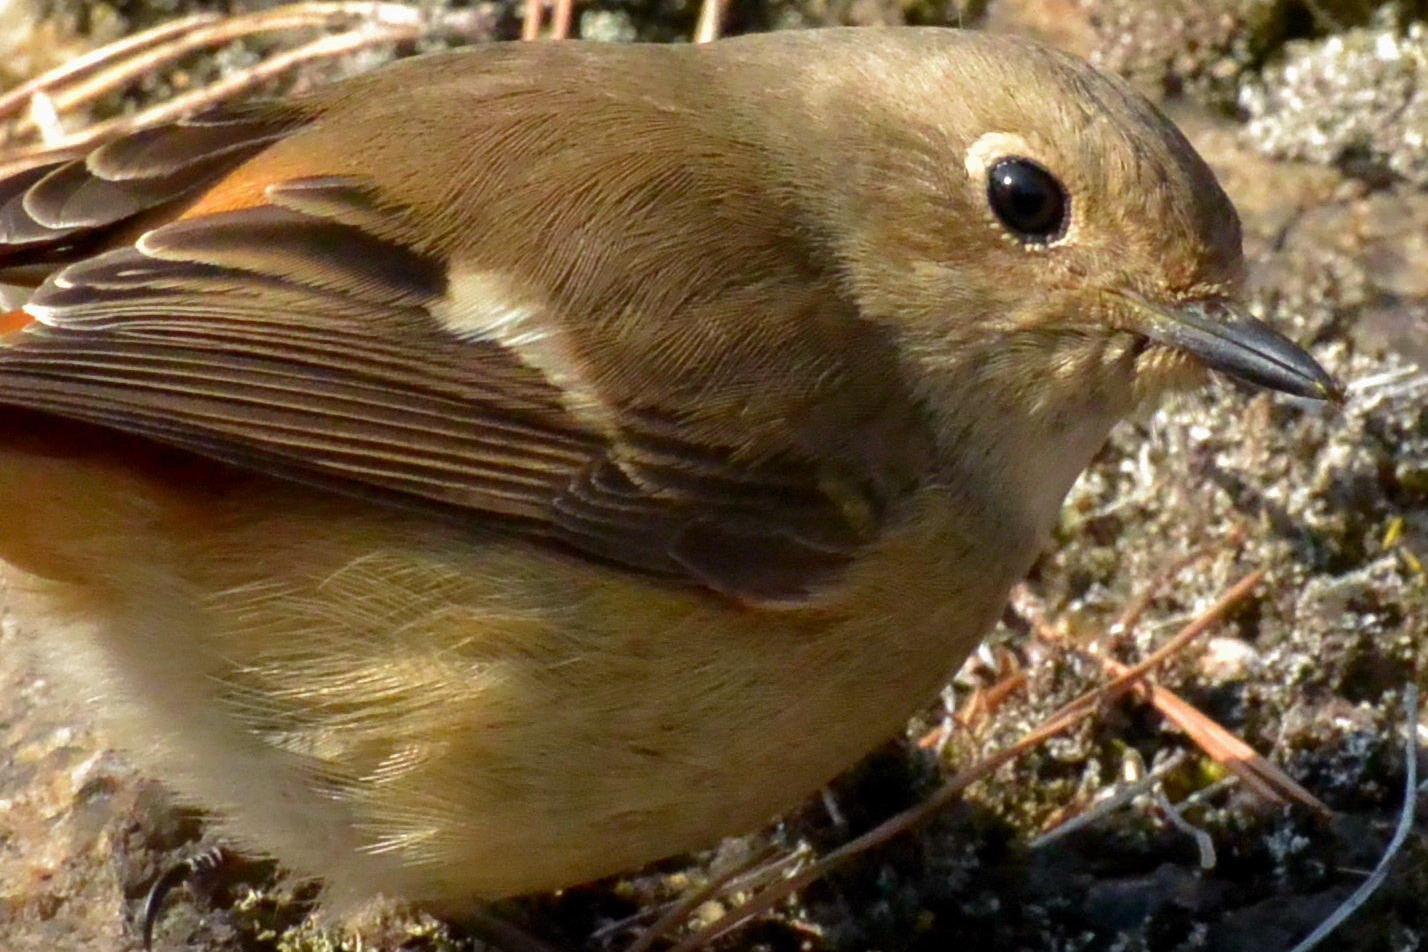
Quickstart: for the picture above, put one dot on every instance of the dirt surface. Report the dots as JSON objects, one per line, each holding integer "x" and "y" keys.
{"x": 1315, "y": 117}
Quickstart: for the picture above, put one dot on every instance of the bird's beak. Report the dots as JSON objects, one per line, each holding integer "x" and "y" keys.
{"x": 1221, "y": 334}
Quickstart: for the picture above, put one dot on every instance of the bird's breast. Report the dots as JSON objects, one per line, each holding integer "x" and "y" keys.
{"x": 443, "y": 716}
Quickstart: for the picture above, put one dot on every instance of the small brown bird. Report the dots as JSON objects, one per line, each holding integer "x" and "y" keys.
{"x": 520, "y": 464}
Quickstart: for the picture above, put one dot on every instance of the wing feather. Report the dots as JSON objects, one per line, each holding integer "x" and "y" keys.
{"x": 302, "y": 338}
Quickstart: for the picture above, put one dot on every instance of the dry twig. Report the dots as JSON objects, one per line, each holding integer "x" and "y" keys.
{"x": 16, "y": 99}
{"x": 1120, "y": 795}
{"x": 113, "y": 67}
{"x": 1257, "y": 773}
{"x": 1400, "y": 834}
{"x": 684, "y": 907}
{"x": 561, "y": 14}
{"x": 531, "y": 18}
{"x": 711, "y": 20}
{"x": 1069, "y": 715}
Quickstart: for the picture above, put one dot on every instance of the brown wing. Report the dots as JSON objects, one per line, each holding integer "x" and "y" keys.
{"x": 52, "y": 212}
{"x": 296, "y": 336}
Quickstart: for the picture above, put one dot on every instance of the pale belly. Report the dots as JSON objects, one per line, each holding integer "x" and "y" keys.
{"x": 443, "y": 722}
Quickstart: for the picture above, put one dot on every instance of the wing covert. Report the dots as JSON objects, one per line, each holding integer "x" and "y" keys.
{"x": 287, "y": 339}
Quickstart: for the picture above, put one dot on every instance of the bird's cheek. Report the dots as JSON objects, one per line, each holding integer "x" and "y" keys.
{"x": 1161, "y": 371}
{"x": 1098, "y": 368}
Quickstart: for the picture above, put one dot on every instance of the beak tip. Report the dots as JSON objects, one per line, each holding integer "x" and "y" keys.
{"x": 1226, "y": 338}
{"x": 1333, "y": 392}
{"x": 1315, "y": 382}
{"x": 1308, "y": 381}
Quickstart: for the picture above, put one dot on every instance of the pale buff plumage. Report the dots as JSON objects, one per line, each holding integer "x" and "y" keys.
{"x": 775, "y": 249}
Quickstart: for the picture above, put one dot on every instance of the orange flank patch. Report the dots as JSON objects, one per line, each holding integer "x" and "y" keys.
{"x": 14, "y": 321}
{"x": 245, "y": 186}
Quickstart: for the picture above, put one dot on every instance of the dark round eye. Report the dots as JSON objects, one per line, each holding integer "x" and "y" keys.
{"x": 1027, "y": 199}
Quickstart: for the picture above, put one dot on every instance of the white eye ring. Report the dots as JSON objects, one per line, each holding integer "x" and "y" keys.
{"x": 992, "y": 147}
{"x": 983, "y": 153}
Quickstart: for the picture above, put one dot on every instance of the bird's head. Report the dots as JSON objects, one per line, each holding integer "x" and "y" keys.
{"x": 1037, "y": 231}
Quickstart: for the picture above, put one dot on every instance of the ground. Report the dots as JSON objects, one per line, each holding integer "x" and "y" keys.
{"x": 1315, "y": 116}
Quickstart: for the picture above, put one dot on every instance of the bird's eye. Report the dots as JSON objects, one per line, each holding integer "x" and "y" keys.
{"x": 1027, "y": 199}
